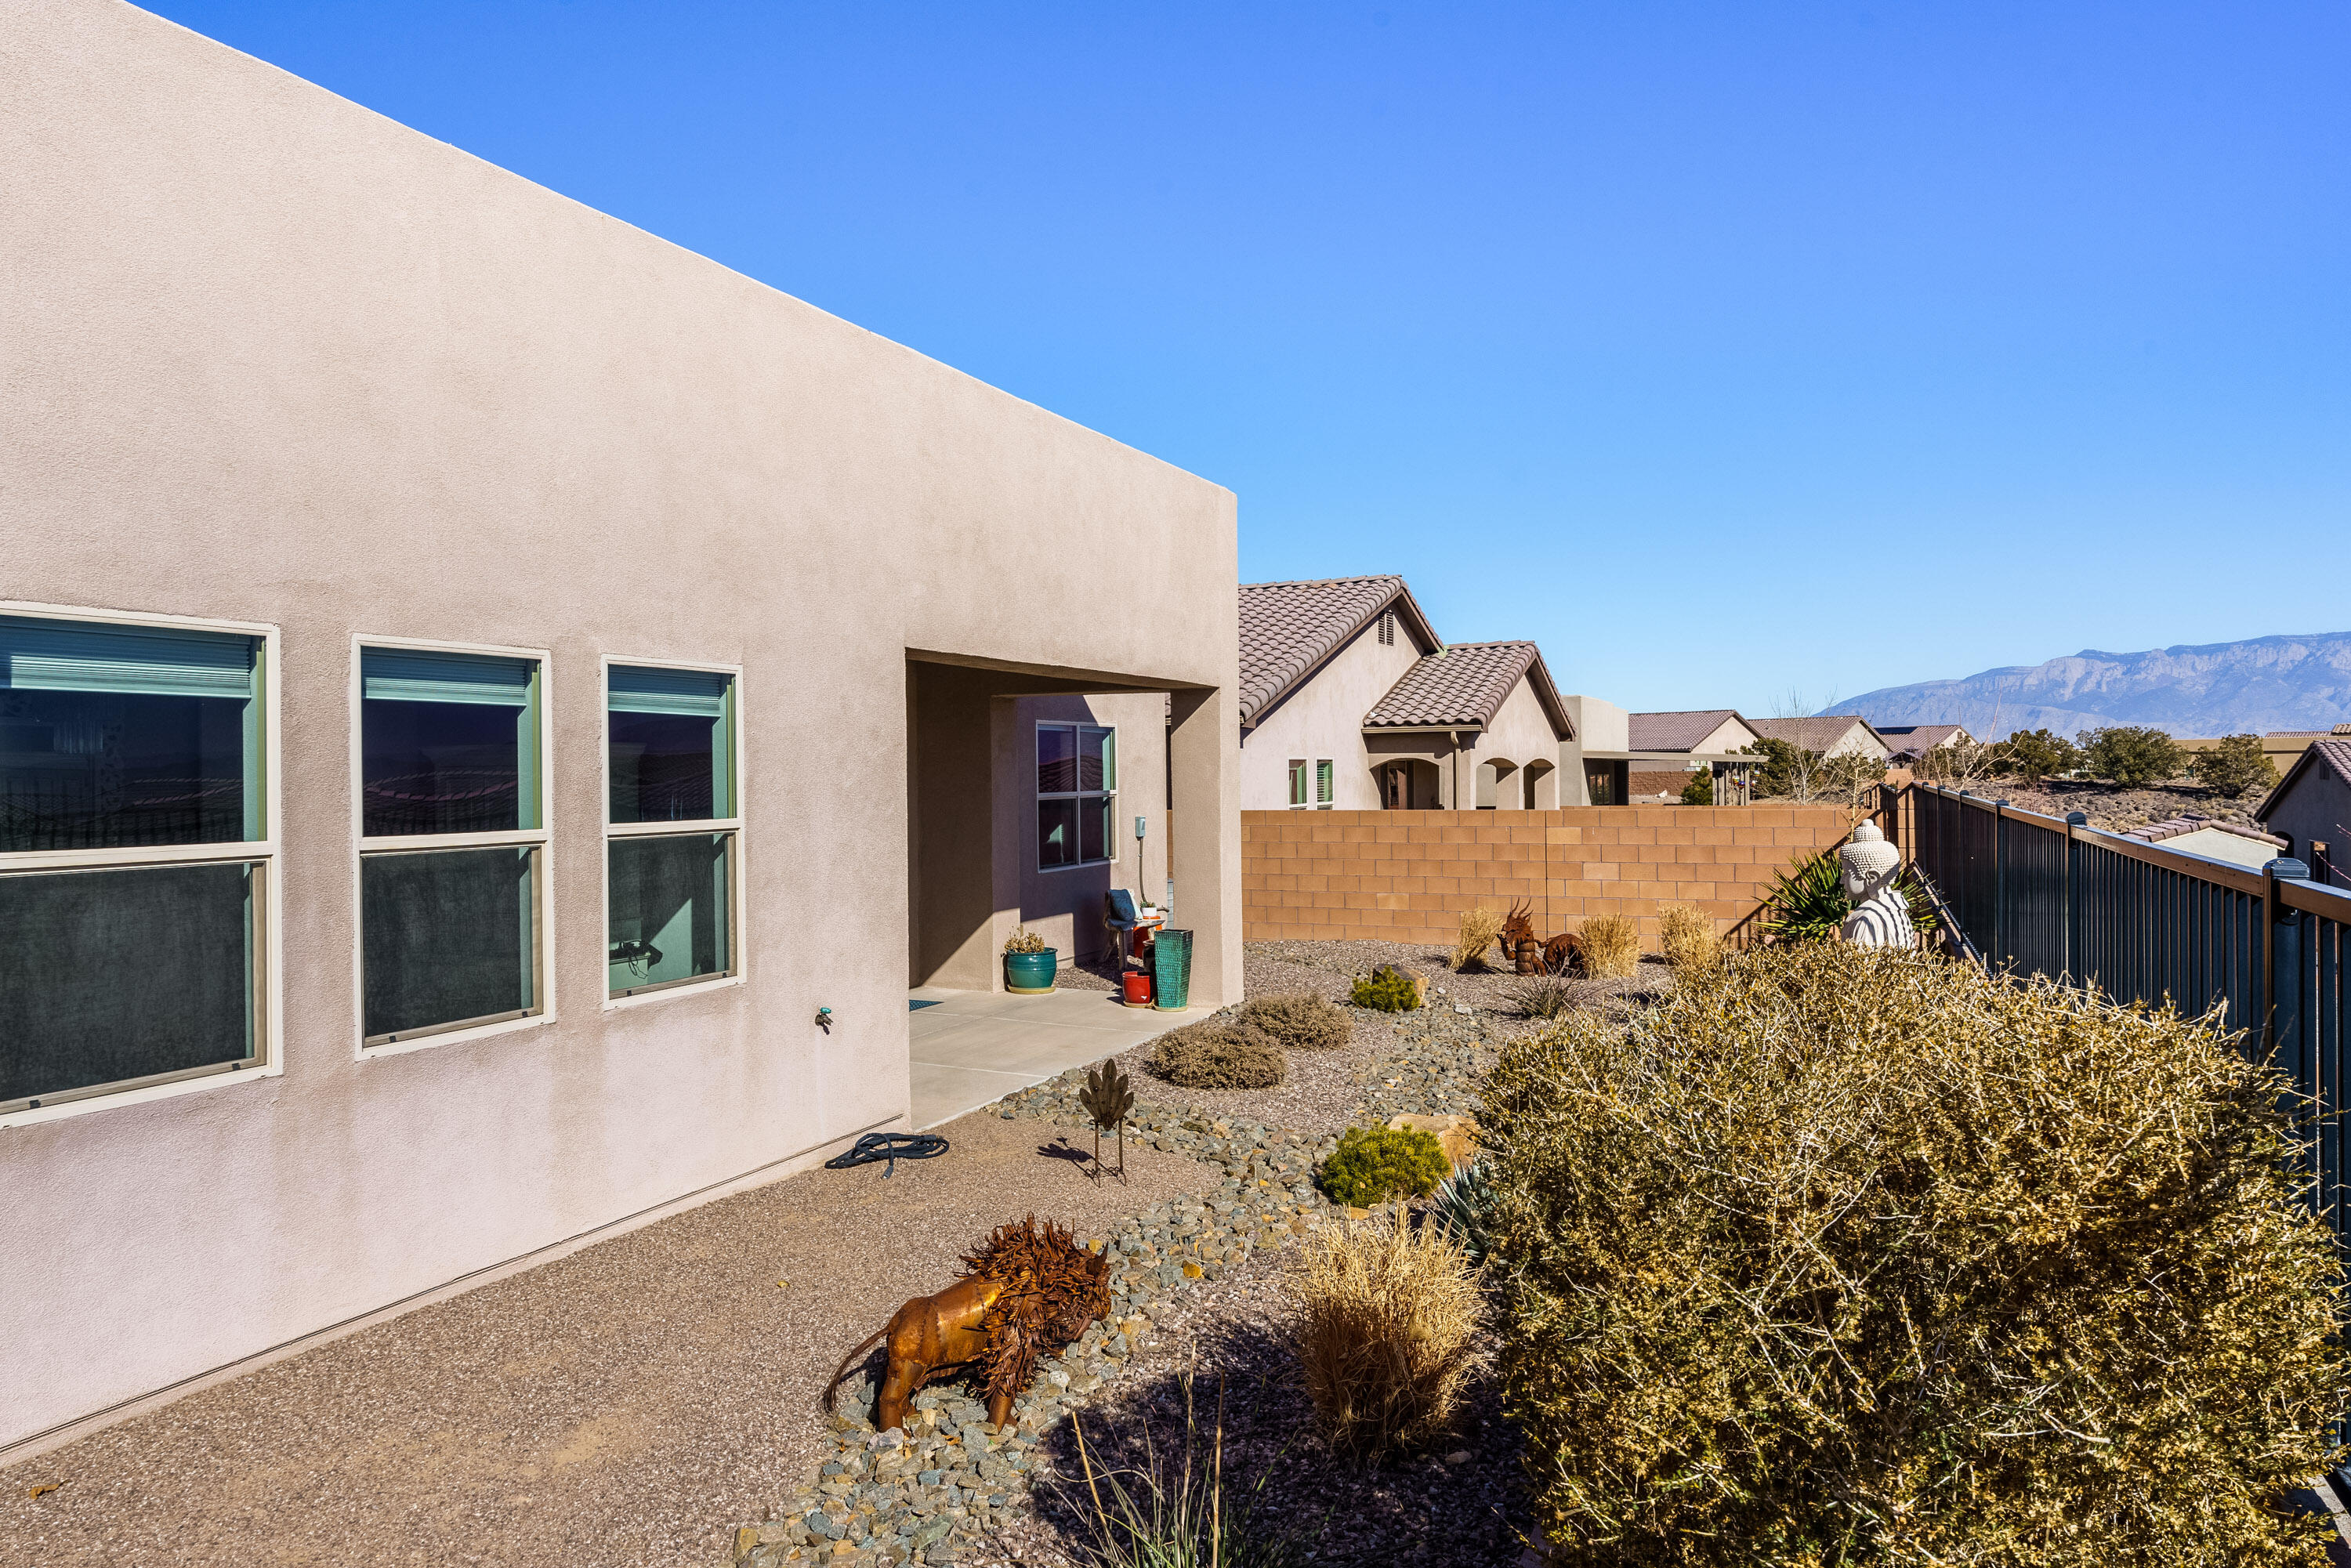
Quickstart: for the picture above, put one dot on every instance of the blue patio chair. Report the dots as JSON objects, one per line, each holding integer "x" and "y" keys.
{"x": 1121, "y": 916}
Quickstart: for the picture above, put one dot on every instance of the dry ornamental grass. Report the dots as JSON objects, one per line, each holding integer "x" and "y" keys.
{"x": 1385, "y": 1319}
{"x": 1219, "y": 1055}
{"x": 1299, "y": 1021}
{"x": 1611, "y": 947}
{"x": 1480, "y": 929}
{"x": 1837, "y": 1257}
{"x": 1687, "y": 937}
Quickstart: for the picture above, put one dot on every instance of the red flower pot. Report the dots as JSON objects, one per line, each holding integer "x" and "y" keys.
{"x": 1137, "y": 988}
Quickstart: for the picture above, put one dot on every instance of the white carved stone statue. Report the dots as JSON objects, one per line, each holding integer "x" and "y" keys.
{"x": 1881, "y": 914}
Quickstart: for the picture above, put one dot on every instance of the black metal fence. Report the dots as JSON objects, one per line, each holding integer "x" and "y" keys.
{"x": 2264, "y": 949}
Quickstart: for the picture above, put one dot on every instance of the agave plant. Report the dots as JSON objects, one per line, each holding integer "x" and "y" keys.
{"x": 1108, "y": 1097}
{"x": 1463, "y": 1208}
{"x": 1808, "y": 902}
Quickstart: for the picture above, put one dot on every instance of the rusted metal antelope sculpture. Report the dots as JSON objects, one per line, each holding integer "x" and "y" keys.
{"x": 1027, "y": 1292}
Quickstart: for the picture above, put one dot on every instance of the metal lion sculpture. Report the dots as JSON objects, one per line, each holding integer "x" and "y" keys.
{"x": 1027, "y": 1292}
{"x": 1868, "y": 866}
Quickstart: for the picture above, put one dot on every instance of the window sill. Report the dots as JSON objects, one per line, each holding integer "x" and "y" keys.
{"x": 670, "y": 993}
{"x": 139, "y": 1096}
{"x": 1081, "y": 866}
{"x": 457, "y": 1036}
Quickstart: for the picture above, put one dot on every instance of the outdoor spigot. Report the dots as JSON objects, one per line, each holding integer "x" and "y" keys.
{"x": 824, "y": 1019}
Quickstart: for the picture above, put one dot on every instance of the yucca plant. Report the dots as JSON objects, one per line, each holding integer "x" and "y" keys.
{"x": 1176, "y": 1511}
{"x": 1808, "y": 902}
{"x": 1463, "y": 1208}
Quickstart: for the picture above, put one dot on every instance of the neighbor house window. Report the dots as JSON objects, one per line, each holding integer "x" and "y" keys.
{"x": 1296, "y": 783}
{"x": 672, "y": 826}
{"x": 1325, "y": 782}
{"x": 137, "y": 856}
{"x": 1077, "y": 791}
{"x": 453, "y": 836}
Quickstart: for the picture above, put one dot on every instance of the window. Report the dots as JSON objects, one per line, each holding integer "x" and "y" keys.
{"x": 453, "y": 841}
{"x": 1077, "y": 793}
{"x": 136, "y": 855}
{"x": 1325, "y": 783}
{"x": 1296, "y": 783}
{"x": 672, "y": 827}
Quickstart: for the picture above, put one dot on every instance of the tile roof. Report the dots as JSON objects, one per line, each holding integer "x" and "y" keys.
{"x": 1817, "y": 733}
{"x": 1289, "y": 628}
{"x": 1674, "y": 731}
{"x": 1919, "y": 737}
{"x": 2334, "y": 752}
{"x": 2196, "y": 823}
{"x": 1466, "y": 685}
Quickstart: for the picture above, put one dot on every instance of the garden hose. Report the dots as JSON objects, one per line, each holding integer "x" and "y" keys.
{"x": 874, "y": 1147}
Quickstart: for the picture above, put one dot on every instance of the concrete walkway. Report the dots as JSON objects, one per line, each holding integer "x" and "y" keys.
{"x": 970, "y": 1048}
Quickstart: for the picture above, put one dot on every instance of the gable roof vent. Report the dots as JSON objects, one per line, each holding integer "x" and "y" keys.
{"x": 1387, "y": 629}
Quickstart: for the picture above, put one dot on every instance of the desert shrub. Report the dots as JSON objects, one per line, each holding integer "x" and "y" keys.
{"x": 2132, "y": 755}
{"x": 1541, "y": 995}
{"x": 1300, "y": 1022}
{"x": 1386, "y": 989}
{"x": 1480, "y": 929}
{"x": 1700, "y": 790}
{"x": 1217, "y": 1055}
{"x": 1611, "y": 947}
{"x": 1383, "y": 1334}
{"x": 1687, "y": 937}
{"x": 1373, "y": 1165}
{"x": 1843, "y": 1257}
{"x": 2034, "y": 754}
{"x": 1808, "y": 902}
{"x": 1463, "y": 1208}
{"x": 1785, "y": 770}
{"x": 2235, "y": 766}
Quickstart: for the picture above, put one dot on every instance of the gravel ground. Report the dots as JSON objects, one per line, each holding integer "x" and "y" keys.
{"x": 619, "y": 1407}
{"x": 2117, "y": 809}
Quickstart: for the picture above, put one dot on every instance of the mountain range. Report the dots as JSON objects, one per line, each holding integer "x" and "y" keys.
{"x": 2219, "y": 688}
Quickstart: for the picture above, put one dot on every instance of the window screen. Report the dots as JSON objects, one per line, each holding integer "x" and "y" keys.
{"x": 449, "y": 939}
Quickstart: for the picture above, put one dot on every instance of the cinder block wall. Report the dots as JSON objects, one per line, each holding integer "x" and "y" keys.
{"x": 1407, "y": 876}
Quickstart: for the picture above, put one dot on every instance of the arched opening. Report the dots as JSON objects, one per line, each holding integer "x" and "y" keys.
{"x": 1539, "y": 786}
{"x": 1409, "y": 784}
{"x": 1496, "y": 785}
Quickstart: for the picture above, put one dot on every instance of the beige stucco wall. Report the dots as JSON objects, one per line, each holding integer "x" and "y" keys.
{"x": 1521, "y": 734}
{"x": 1323, "y": 717}
{"x": 273, "y": 358}
{"x": 1727, "y": 736}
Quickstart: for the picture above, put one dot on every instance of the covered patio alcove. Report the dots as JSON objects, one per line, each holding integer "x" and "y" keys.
{"x": 1024, "y": 787}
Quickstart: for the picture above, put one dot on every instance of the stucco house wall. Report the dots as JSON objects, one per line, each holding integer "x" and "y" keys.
{"x": 1323, "y": 717}
{"x": 274, "y": 358}
{"x": 1521, "y": 734}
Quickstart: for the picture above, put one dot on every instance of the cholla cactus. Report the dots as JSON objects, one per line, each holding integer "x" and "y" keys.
{"x": 1107, "y": 1096}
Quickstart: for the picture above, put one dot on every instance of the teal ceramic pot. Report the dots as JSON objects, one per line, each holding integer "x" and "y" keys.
{"x": 1031, "y": 971}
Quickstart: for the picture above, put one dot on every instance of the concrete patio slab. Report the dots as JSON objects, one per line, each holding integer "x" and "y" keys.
{"x": 970, "y": 1048}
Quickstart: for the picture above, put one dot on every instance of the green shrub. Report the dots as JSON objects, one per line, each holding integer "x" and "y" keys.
{"x": 1300, "y": 1022}
{"x": 1847, "y": 1257}
{"x": 2235, "y": 766}
{"x": 1808, "y": 902}
{"x": 2034, "y": 754}
{"x": 1373, "y": 1165}
{"x": 2132, "y": 755}
{"x": 1217, "y": 1055}
{"x": 1700, "y": 790}
{"x": 1386, "y": 989}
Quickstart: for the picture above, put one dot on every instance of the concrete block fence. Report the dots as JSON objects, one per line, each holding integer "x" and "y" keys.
{"x": 1407, "y": 876}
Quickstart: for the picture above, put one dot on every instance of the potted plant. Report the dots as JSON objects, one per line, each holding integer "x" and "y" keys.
{"x": 1029, "y": 964}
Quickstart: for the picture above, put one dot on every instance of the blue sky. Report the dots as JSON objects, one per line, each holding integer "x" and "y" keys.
{"x": 1728, "y": 350}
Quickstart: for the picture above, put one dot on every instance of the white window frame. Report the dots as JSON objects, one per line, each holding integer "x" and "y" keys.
{"x": 1301, "y": 787}
{"x": 264, "y": 854}
{"x": 539, "y": 839}
{"x": 1109, "y": 845}
{"x": 1325, "y": 782}
{"x": 738, "y": 954}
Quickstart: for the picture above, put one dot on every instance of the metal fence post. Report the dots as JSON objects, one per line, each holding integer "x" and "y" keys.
{"x": 2072, "y": 858}
{"x": 2000, "y": 881}
{"x": 2282, "y": 970}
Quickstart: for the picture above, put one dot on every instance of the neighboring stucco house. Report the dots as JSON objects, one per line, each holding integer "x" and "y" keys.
{"x": 1350, "y": 701}
{"x": 2311, "y": 809}
{"x": 1828, "y": 734}
{"x": 494, "y": 711}
{"x": 1623, "y": 757}
{"x": 1910, "y": 742}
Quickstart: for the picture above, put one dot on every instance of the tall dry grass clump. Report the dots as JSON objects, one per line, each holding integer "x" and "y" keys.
{"x": 1480, "y": 929}
{"x": 1846, "y": 1257}
{"x": 1386, "y": 1315}
{"x": 1687, "y": 937}
{"x": 1299, "y": 1021}
{"x": 1611, "y": 947}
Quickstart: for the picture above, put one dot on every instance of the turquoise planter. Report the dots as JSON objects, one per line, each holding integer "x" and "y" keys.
{"x": 1031, "y": 971}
